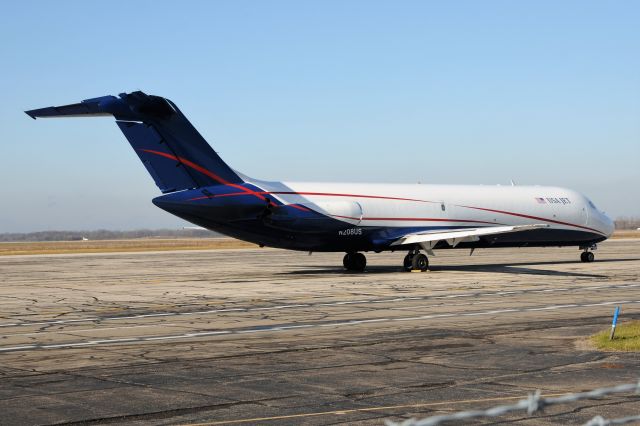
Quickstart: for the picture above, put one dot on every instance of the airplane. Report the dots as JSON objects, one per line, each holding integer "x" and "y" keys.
{"x": 354, "y": 218}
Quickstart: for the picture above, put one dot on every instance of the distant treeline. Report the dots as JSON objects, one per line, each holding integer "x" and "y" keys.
{"x": 103, "y": 234}
{"x": 628, "y": 222}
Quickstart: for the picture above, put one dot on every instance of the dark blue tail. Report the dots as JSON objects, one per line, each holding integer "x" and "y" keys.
{"x": 172, "y": 150}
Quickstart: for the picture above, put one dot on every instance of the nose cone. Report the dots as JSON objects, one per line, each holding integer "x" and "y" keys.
{"x": 602, "y": 223}
{"x": 608, "y": 225}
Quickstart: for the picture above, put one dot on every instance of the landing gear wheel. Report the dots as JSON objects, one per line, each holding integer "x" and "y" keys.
{"x": 346, "y": 261}
{"x": 408, "y": 262}
{"x": 420, "y": 262}
{"x": 354, "y": 262}
{"x": 587, "y": 256}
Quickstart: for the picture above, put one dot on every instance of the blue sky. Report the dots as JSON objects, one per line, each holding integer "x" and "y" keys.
{"x": 382, "y": 91}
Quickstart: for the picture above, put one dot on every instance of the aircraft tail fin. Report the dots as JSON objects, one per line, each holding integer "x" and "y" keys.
{"x": 172, "y": 150}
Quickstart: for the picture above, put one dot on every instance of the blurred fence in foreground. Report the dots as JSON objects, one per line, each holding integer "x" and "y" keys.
{"x": 534, "y": 403}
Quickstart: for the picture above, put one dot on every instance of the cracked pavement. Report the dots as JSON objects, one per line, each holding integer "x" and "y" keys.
{"x": 273, "y": 337}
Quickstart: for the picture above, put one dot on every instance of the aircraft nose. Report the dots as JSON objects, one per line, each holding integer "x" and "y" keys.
{"x": 608, "y": 225}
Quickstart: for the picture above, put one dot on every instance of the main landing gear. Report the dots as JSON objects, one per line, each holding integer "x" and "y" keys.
{"x": 587, "y": 255}
{"x": 415, "y": 261}
{"x": 354, "y": 262}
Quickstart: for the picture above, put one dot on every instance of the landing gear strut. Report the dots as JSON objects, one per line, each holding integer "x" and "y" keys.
{"x": 415, "y": 261}
{"x": 354, "y": 262}
{"x": 587, "y": 255}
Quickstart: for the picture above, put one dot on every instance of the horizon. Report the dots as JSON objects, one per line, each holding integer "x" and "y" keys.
{"x": 623, "y": 223}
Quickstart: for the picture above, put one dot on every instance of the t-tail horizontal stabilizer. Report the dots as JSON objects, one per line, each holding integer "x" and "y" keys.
{"x": 172, "y": 150}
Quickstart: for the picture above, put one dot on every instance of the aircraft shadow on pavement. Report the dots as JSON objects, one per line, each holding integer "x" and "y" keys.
{"x": 517, "y": 268}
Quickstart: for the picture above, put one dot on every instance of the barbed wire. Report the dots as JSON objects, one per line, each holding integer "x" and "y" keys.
{"x": 532, "y": 404}
{"x": 601, "y": 421}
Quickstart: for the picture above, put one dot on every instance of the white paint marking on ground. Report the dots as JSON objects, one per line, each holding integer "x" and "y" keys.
{"x": 425, "y": 317}
{"x": 620, "y": 302}
{"x": 277, "y": 328}
{"x": 130, "y": 339}
{"x": 288, "y": 327}
{"x": 548, "y": 308}
{"x": 474, "y": 303}
{"x": 18, "y": 348}
{"x": 311, "y": 305}
{"x": 85, "y": 330}
{"x": 496, "y": 311}
{"x": 273, "y": 308}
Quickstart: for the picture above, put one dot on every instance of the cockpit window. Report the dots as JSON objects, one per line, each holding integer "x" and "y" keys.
{"x": 593, "y": 206}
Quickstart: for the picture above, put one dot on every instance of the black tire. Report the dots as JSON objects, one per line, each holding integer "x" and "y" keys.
{"x": 354, "y": 262}
{"x": 590, "y": 256}
{"x": 359, "y": 262}
{"x": 347, "y": 261}
{"x": 408, "y": 263}
{"x": 583, "y": 257}
{"x": 420, "y": 262}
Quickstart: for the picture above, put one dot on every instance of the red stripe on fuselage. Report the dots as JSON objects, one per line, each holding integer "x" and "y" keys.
{"x": 425, "y": 201}
{"x": 205, "y": 172}
{"x": 324, "y": 194}
{"x": 532, "y": 217}
{"x": 235, "y": 194}
{"x": 295, "y": 206}
{"x": 415, "y": 219}
{"x": 330, "y": 194}
{"x": 245, "y": 190}
{"x": 427, "y": 219}
{"x": 232, "y": 194}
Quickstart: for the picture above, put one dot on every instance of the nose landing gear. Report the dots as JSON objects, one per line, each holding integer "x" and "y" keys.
{"x": 587, "y": 255}
{"x": 415, "y": 261}
{"x": 354, "y": 262}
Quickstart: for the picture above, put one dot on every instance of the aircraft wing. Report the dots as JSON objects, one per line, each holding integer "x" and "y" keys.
{"x": 427, "y": 240}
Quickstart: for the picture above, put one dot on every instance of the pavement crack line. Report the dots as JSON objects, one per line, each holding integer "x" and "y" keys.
{"x": 166, "y": 414}
{"x": 499, "y": 294}
{"x": 287, "y": 327}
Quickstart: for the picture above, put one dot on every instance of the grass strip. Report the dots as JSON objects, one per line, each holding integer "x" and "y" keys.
{"x": 627, "y": 338}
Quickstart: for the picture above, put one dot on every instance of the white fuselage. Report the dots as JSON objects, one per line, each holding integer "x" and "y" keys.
{"x": 418, "y": 205}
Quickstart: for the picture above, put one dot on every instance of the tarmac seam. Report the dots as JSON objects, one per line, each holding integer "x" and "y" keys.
{"x": 323, "y": 304}
{"x": 288, "y": 327}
